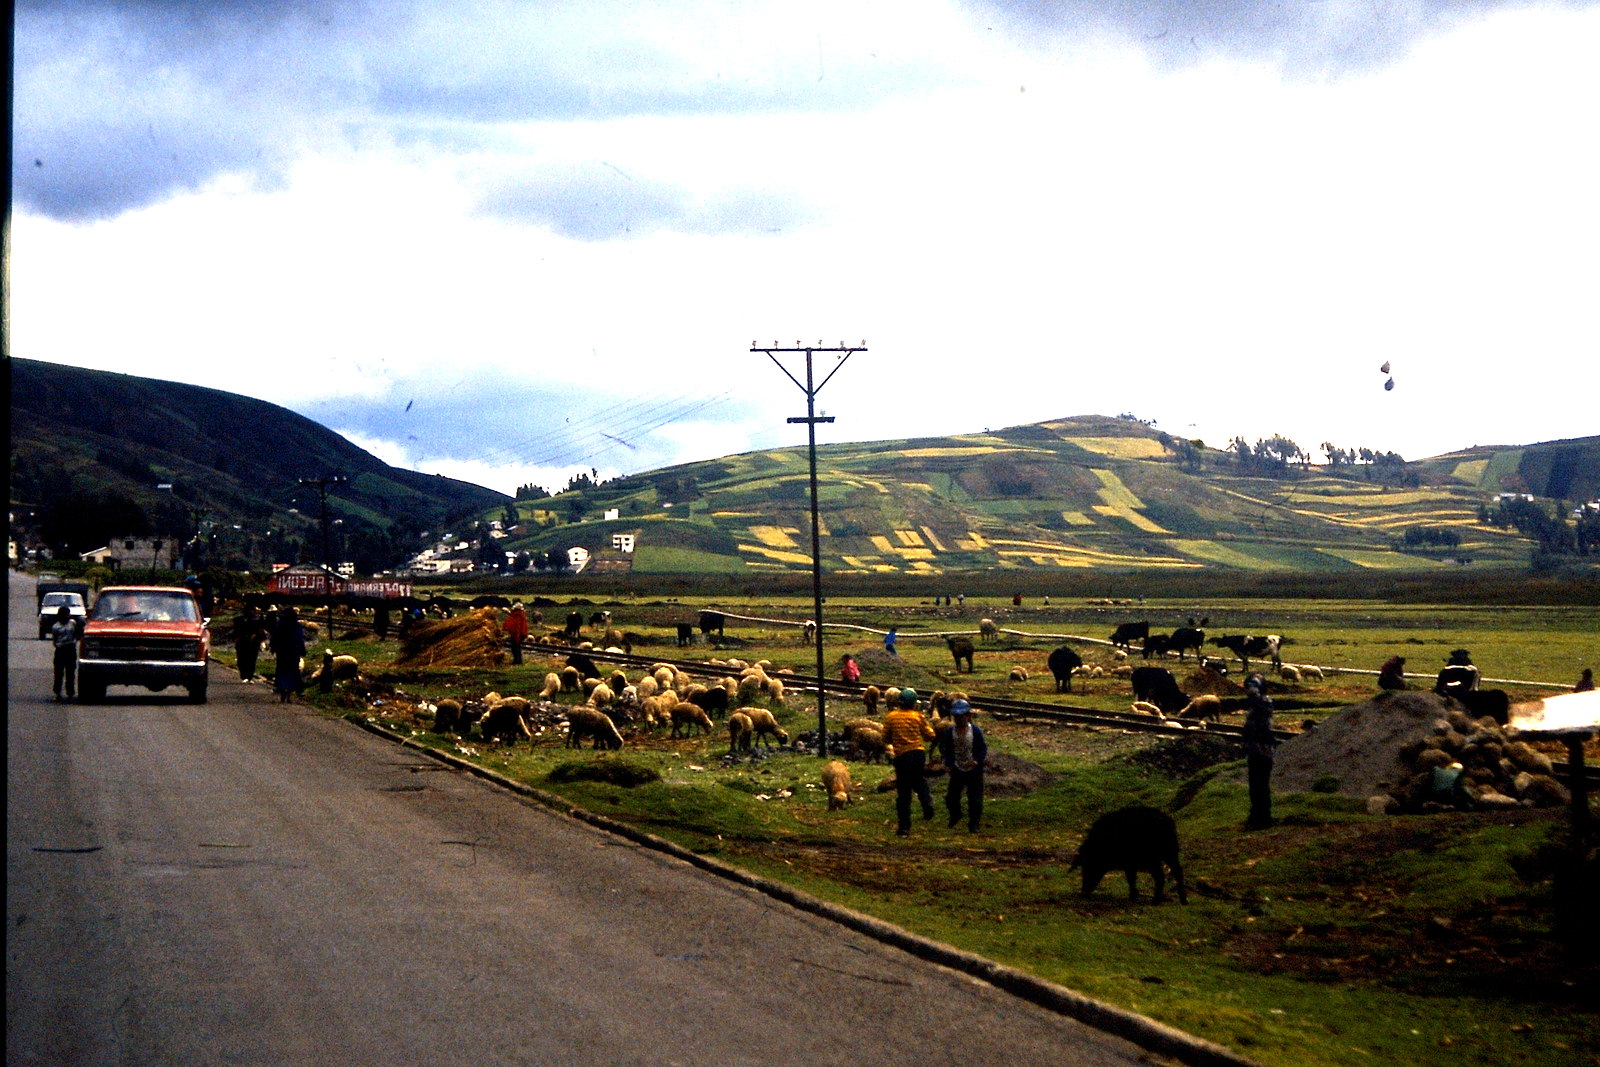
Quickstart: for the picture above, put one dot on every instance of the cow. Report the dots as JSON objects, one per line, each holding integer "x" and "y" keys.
{"x": 1185, "y": 638}
{"x": 685, "y": 634}
{"x": 1156, "y": 645}
{"x": 961, "y": 649}
{"x": 1156, "y": 685}
{"x": 1127, "y": 632}
{"x": 574, "y": 625}
{"x": 1063, "y": 661}
{"x": 711, "y": 622}
{"x": 600, "y": 618}
{"x": 1246, "y": 645}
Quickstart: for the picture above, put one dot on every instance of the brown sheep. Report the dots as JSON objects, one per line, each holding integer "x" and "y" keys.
{"x": 869, "y": 744}
{"x": 1204, "y": 706}
{"x": 869, "y": 699}
{"x": 447, "y": 717}
{"x": 837, "y": 784}
{"x": 686, "y": 715}
{"x": 763, "y": 725}
{"x": 569, "y": 678}
{"x": 552, "y": 686}
{"x": 740, "y": 730}
{"x": 592, "y": 723}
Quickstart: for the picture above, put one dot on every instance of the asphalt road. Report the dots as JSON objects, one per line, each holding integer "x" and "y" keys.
{"x": 253, "y": 883}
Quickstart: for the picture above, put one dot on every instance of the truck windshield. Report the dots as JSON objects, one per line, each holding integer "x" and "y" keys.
{"x": 146, "y": 607}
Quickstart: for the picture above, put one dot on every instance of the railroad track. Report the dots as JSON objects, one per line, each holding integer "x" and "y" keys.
{"x": 1065, "y": 714}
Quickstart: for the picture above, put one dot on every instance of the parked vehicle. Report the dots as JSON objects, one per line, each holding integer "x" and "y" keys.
{"x": 152, "y": 636}
{"x": 50, "y": 606}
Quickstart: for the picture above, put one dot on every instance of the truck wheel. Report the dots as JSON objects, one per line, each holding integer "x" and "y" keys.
{"x": 91, "y": 692}
{"x": 197, "y": 693}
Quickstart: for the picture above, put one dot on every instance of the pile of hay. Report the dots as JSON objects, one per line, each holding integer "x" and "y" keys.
{"x": 471, "y": 640}
{"x": 1417, "y": 751}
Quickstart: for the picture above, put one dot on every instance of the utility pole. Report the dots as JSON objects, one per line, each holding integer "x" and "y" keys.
{"x": 322, "y": 485}
{"x": 844, "y": 352}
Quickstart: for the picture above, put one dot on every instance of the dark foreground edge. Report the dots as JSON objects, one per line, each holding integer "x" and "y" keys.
{"x": 1141, "y": 1030}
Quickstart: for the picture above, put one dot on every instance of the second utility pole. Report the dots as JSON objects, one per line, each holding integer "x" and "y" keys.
{"x": 811, "y": 419}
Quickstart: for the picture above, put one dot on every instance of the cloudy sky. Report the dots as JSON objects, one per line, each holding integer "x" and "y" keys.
{"x": 509, "y": 240}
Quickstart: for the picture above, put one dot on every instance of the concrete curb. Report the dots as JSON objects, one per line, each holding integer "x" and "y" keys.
{"x": 1141, "y": 1030}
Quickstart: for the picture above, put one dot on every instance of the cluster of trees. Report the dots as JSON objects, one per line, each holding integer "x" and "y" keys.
{"x": 1431, "y": 537}
{"x": 1549, "y": 527}
{"x": 1270, "y": 456}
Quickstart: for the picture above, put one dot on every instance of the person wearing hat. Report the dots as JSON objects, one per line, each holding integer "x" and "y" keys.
{"x": 1458, "y": 676}
{"x": 906, "y": 733}
{"x": 1259, "y": 748}
{"x": 964, "y": 752}
{"x": 517, "y": 631}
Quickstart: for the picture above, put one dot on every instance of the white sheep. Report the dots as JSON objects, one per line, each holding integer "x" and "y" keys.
{"x": 988, "y": 629}
{"x": 740, "y": 729}
{"x": 763, "y": 724}
{"x": 601, "y": 696}
{"x": 685, "y": 715}
{"x": 592, "y": 723}
{"x": 1019, "y": 674}
{"x": 1309, "y": 670}
{"x": 1289, "y": 672}
{"x": 1144, "y": 707}
{"x": 552, "y": 686}
{"x": 1204, "y": 706}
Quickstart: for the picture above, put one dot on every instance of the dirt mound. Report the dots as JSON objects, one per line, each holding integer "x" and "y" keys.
{"x": 1183, "y": 757}
{"x": 1360, "y": 747}
{"x": 471, "y": 640}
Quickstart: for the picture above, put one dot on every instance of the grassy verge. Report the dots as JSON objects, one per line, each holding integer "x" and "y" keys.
{"x": 1334, "y": 938}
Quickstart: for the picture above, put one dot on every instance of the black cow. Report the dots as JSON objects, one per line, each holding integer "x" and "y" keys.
{"x": 1127, "y": 632}
{"x": 574, "y": 625}
{"x": 961, "y": 649}
{"x": 1157, "y": 686}
{"x": 685, "y": 634}
{"x": 1495, "y": 703}
{"x": 1156, "y": 645}
{"x": 1185, "y": 638}
{"x": 711, "y": 622}
{"x": 1063, "y": 661}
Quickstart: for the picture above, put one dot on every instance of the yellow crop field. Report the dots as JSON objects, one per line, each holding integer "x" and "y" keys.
{"x": 881, "y": 543}
{"x": 776, "y": 554}
{"x": 1215, "y": 553}
{"x": 1077, "y": 518}
{"x": 1470, "y": 471}
{"x": 971, "y": 450}
{"x": 1122, "y": 447}
{"x": 933, "y": 540}
{"x": 910, "y": 538}
{"x": 1131, "y": 516}
{"x": 775, "y": 536}
{"x": 1113, "y": 492}
{"x": 1379, "y": 559}
{"x": 1380, "y": 499}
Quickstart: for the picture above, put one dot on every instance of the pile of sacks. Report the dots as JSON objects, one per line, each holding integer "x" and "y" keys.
{"x": 1470, "y": 764}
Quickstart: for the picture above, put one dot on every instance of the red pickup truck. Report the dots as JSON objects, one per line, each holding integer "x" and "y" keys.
{"x": 146, "y": 635}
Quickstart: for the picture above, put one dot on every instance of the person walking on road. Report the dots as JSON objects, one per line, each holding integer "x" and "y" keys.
{"x": 289, "y": 650}
{"x": 64, "y": 633}
{"x": 906, "y": 733}
{"x": 964, "y": 751}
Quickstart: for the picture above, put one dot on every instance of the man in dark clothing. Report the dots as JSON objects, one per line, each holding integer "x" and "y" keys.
{"x": 64, "y": 634}
{"x": 249, "y": 631}
{"x": 1392, "y": 675}
{"x": 964, "y": 751}
{"x": 1259, "y": 747}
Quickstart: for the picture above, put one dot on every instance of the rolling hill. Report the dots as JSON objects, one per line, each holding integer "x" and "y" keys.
{"x": 1083, "y": 492}
{"x": 89, "y": 450}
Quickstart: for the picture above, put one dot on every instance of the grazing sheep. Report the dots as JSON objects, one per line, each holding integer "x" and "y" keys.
{"x": 1309, "y": 671}
{"x": 837, "y": 784}
{"x": 1119, "y": 654}
{"x": 751, "y": 686}
{"x": 617, "y": 639}
{"x": 869, "y": 743}
{"x": 1204, "y": 706}
{"x": 808, "y": 632}
{"x": 601, "y": 696}
{"x": 1123, "y": 670}
{"x": 552, "y": 686}
{"x": 763, "y": 725}
{"x": 1019, "y": 674}
{"x": 505, "y": 721}
{"x": 869, "y": 699}
{"x": 590, "y": 685}
{"x": 1130, "y": 840}
{"x": 648, "y": 687}
{"x": 447, "y": 717}
{"x": 740, "y": 729}
{"x": 775, "y": 692}
{"x": 685, "y": 715}
{"x": 1144, "y": 707}
{"x": 988, "y": 630}
{"x": 961, "y": 648}
{"x": 712, "y": 701}
{"x": 343, "y": 669}
{"x": 618, "y": 680}
{"x": 1289, "y": 672}
{"x": 570, "y": 679}
{"x": 592, "y": 723}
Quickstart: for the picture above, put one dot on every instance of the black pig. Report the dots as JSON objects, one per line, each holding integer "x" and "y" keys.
{"x": 1131, "y": 840}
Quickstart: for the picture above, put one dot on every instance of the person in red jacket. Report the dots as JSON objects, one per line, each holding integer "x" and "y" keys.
{"x": 517, "y": 631}
{"x": 851, "y": 672}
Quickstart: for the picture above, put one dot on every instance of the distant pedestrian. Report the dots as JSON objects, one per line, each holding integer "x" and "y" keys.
{"x": 1392, "y": 675}
{"x": 906, "y": 733}
{"x": 249, "y": 631}
{"x": 517, "y": 631}
{"x": 889, "y": 641}
{"x": 851, "y": 671}
{"x": 1259, "y": 748}
{"x": 64, "y": 633}
{"x": 1016, "y": 600}
{"x": 1585, "y": 682}
{"x": 965, "y": 752}
{"x": 289, "y": 653}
